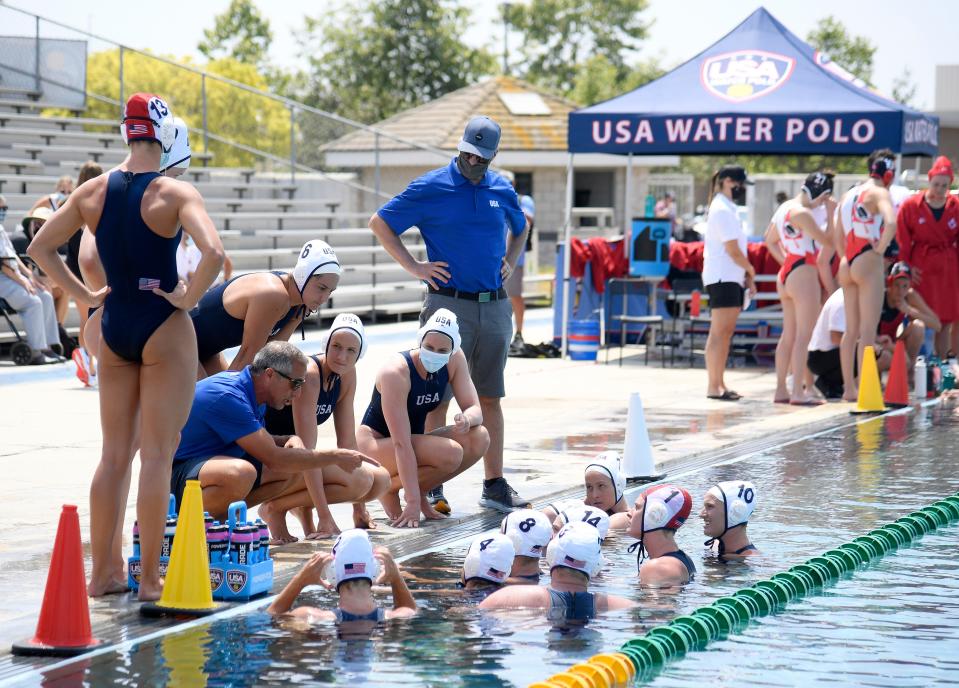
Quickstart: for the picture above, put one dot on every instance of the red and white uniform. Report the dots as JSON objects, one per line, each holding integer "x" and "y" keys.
{"x": 862, "y": 228}
{"x": 932, "y": 246}
{"x": 800, "y": 249}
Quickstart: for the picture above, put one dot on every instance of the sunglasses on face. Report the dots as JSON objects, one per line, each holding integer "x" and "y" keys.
{"x": 474, "y": 159}
{"x": 295, "y": 382}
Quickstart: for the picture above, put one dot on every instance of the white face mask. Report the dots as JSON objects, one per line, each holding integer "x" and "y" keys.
{"x": 433, "y": 361}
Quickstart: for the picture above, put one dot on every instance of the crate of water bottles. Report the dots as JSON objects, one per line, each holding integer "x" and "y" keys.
{"x": 133, "y": 563}
{"x": 240, "y": 563}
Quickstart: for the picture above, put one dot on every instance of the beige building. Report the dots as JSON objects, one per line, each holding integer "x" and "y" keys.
{"x": 533, "y": 147}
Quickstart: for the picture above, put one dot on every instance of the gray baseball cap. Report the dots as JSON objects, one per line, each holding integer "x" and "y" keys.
{"x": 481, "y": 137}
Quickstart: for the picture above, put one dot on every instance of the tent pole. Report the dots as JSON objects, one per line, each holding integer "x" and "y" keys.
{"x": 568, "y": 230}
{"x": 628, "y": 198}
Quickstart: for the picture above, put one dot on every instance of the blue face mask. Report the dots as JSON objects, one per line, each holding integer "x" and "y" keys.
{"x": 3, "y": 214}
{"x": 433, "y": 361}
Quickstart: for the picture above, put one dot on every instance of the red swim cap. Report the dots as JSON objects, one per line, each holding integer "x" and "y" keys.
{"x": 942, "y": 166}
{"x": 147, "y": 117}
{"x": 666, "y": 506}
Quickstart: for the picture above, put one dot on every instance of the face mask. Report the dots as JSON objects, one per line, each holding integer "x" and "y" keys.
{"x": 3, "y": 214}
{"x": 433, "y": 361}
{"x": 739, "y": 194}
{"x": 474, "y": 173}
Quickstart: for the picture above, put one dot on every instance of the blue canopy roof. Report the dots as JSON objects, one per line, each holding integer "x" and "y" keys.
{"x": 759, "y": 89}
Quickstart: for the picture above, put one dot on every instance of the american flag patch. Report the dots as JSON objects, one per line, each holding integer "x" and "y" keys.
{"x": 496, "y": 574}
{"x": 137, "y": 129}
{"x": 576, "y": 563}
{"x": 149, "y": 284}
{"x": 355, "y": 568}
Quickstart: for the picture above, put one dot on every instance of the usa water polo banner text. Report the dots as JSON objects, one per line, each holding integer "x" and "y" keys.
{"x": 843, "y": 133}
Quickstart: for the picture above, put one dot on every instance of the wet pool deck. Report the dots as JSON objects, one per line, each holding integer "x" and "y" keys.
{"x": 559, "y": 413}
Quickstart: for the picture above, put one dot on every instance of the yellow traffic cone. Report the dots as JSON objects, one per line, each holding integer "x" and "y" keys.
{"x": 870, "y": 389}
{"x": 186, "y": 590}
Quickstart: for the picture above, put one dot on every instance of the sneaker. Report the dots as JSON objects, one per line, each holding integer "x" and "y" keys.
{"x": 438, "y": 501}
{"x": 83, "y": 373}
{"x": 40, "y": 358}
{"x": 502, "y": 497}
{"x": 517, "y": 347}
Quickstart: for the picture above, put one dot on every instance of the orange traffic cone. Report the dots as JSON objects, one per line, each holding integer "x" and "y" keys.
{"x": 63, "y": 629}
{"x": 897, "y": 385}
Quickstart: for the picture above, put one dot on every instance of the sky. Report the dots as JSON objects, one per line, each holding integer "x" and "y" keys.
{"x": 916, "y": 35}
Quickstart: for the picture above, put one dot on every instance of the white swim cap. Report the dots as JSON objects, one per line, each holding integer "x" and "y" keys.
{"x": 667, "y": 506}
{"x": 739, "y": 499}
{"x": 353, "y": 557}
{"x": 490, "y": 557}
{"x": 576, "y": 546}
{"x": 443, "y": 321}
{"x": 529, "y": 531}
{"x": 610, "y": 463}
{"x": 178, "y": 156}
{"x": 583, "y": 513}
{"x": 350, "y": 323}
{"x": 316, "y": 258}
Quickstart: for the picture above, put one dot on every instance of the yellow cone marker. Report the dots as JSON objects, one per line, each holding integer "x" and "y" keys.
{"x": 870, "y": 390}
{"x": 186, "y": 590}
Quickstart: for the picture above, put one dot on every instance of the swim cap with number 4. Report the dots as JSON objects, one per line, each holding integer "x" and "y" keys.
{"x": 529, "y": 531}
{"x": 316, "y": 258}
{"x": 490, "y": 557}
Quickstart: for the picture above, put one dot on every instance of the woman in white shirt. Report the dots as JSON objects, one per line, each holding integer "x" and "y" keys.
{"x": 726, "y": 274}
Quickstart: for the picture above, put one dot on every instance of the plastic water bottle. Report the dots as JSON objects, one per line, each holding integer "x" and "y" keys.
{"x": 264, "y": 540}
{"x": 207, "y": 520}
{"x": 168, "y": 534}
{"x": 241, "y": 544}
{"x": 948, "y": 377}
{"x": 136, "y": 539}
{"x": 920, "y": 378}
{"x": 935, "y": 377}
{"x": 218, "y": 542}
{"x": 255, "y": 543}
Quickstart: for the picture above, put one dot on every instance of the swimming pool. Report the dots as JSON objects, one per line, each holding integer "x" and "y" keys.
{"x": 895, "y": 623}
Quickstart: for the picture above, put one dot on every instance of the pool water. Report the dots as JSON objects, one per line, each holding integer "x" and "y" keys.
{"x": 894, "y": 623}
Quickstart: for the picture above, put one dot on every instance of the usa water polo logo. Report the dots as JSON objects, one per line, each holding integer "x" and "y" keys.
{"x": 746, "y": 74}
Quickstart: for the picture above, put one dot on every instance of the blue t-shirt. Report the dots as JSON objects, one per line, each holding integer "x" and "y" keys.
{"x": 461, "y": 223}
{"x": 224, "y": 410}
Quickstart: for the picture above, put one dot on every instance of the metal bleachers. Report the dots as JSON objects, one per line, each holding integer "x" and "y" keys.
{"x": 263, "y": 217}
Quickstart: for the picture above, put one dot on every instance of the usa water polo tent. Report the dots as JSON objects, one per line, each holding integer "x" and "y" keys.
{"x": 758, "y": 90}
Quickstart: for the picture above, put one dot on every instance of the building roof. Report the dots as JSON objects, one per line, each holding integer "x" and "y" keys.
{"x": 440, "y": 123}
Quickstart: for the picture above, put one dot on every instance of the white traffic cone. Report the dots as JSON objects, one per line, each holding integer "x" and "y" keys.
{"x": 638, "y": 464}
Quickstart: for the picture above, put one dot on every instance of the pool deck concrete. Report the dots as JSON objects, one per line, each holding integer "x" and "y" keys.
{"x": 559, "y": 414}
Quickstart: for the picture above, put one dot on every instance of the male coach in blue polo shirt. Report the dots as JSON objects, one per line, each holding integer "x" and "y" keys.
{"x": 225, "y": 446}
{"x": 461, "y": 210}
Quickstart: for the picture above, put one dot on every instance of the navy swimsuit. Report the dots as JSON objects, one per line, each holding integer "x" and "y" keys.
{"x": 571, "y": 605}
{"x": 217, "y": 330}
{"x": 376, "y": 615}
{"x": 684, "y": 558}
{"x": 425, "y": 395}
{"x": 281, "y": 422}
{"x": 136, "y": 260}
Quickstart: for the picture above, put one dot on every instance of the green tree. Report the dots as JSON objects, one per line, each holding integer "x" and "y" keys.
{"x": 561, "y": 37}
{"x": 853, "y": 53}
{"x": 246, "y": 118}
{"x": 370, "y": 59}
{"x": 240, "y": 32}
{"x": 904, "y": 88}
{"x": 597, "y": 79}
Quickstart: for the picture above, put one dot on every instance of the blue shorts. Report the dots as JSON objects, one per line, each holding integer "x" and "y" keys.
{"x": 189, "y": 469}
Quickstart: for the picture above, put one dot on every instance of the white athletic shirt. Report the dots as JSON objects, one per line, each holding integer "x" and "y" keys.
{"x": 832, "y": 318}
{"x": 856, "y": 219}
{"x": 722, "y": 225}
{"x": 793, "y": 239}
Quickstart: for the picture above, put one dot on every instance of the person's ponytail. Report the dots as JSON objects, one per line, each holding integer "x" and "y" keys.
{"x": 712, "y": 191}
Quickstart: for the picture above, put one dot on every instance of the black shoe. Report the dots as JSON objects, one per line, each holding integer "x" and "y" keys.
{"x": 438, "y": 501}
{"x": 517, "y": 347}
{"x": 502, "y": 497}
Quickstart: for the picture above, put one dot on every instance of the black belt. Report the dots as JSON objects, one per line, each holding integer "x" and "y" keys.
{"x": 481, "y": 296}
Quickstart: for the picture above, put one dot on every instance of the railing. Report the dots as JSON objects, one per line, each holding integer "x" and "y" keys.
{"x": 285, "y": 131}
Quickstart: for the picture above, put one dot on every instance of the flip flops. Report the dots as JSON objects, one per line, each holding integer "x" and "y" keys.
{"x": 728, "y": 395}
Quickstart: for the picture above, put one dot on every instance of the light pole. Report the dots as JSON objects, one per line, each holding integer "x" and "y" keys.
{"x": 506, "y": 7}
